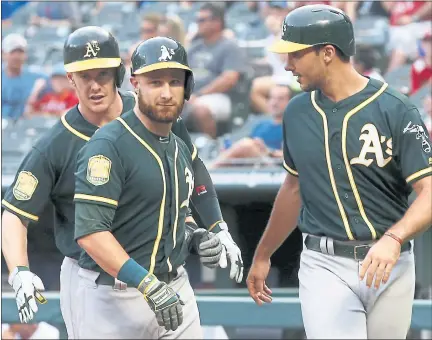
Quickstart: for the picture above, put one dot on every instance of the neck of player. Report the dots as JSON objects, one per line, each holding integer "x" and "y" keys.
{"x": 157, "y": 128}
{"x": 113, "y": 111}
{"x": 343, "y": 83}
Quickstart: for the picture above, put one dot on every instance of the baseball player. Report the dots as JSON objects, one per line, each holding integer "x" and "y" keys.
{"x": 134, "y": 181}
{"x": 351, "y": 165}
{"x": 92, "y": 60}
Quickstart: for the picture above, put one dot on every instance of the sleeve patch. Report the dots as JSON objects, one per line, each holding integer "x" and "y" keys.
{"x": 98, "y": 170}
{"x": 25, "y": 186}
{"x": 419, "y": 134}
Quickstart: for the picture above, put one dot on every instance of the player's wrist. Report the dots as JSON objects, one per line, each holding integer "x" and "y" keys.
{"x": 218, "y": 227}
{"x": 394, "y": 237}
{"x": 132, "y": 273}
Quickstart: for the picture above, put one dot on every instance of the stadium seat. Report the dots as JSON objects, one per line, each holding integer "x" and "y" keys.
{"x": 419, "y": 95}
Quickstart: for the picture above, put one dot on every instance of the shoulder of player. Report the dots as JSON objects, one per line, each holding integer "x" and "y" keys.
{"x": 52, "y": 138}
{"x": 394, "y": 102}
{"x": 113, "y": 131}
{"x": 298, "y": 103}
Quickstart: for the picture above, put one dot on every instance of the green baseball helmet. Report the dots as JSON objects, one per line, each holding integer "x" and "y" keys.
{"x": 316, "y": 25}
{"x": 162, "y": 53}
{"x": 92, "y": 47}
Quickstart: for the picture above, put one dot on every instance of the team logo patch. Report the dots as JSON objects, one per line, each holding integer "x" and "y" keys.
{"x": 167, "y": 53}
{"x": 420, "y": 134}
{"x": 92, "y": 49}
{"x": 98, "y": 170}
{"x": 25, "y": 186}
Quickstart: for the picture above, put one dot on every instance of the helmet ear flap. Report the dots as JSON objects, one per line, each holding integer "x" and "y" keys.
{"x": 189, "y": 85}
{"x": 120, "y": 73}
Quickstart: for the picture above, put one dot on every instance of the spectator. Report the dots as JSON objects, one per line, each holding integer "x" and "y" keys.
{"x": 56, "y": 13}
{"x": 409, "y": 21}
{"x": 421, "y": 69}
{"x": 172, "y": 26}
{"x": 7, "y": 10}
{"x": 17, "y": 80}
{"x": 365, "y": 61}
{"x": 218, "y": 65}
{"x": 59, "y": 98}
{"x": 261, "y": 85}
{"x": 265, "y": 139}
{"x": 150, "y": 25}
{"x": 358, "y": 9}
{"x": 126, "y": 84}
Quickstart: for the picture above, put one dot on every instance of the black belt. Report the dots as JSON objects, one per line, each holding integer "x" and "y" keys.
{"x": 105, "y": 279}
{"x": 356, "y": 250}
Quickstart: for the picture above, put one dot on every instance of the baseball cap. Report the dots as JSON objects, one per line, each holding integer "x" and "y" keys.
{"x": 13, "y": 42}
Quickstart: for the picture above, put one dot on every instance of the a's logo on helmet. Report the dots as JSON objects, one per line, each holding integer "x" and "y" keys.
{"x": 284, "y": 28}
{"x": 167, "y": 53}
{"x": 92, "y": 49}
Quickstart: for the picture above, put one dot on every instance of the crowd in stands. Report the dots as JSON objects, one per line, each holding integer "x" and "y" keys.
{"x": 226, "y": 42}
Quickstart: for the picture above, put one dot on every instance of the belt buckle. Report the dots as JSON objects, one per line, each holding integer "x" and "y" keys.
{"x": 355, "y": 250}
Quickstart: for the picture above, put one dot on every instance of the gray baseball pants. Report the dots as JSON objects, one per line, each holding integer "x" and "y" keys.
{"x": 108, "y": 313}
{"x": 68, "y": 290}
{"x": 337, "y": 305}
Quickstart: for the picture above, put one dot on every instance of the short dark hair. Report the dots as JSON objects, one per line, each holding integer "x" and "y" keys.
{"x": 217, "y": 11}
{"x": 342, "y": 56}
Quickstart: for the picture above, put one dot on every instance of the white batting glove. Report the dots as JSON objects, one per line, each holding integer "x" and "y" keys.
{"x": 26, "y": 286}
{"x": 230, "y": 251}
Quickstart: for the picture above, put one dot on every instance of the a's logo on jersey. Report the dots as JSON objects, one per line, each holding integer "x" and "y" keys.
{"x": 190, "y": 182}
{"x": 92, "y": 49}
{"x": 372, "y": 147}
{"x": 167, "y": 53}
{"x": 98, "y": 170}
{"x": 25, "y": 186}
{"x": 420, "y": 134}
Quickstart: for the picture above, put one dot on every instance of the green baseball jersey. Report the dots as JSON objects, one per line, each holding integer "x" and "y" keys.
{"x": 47, "y": 174}
{"x": 147, "y": 181}
{"x": 356, "y": 160}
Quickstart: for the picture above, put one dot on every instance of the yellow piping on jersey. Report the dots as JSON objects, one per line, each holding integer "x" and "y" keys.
{"x": 96, "y": 199}
{"x": 176, "y": 202}
{"x": 290, "y": 170}
{"x": 329, "y": 167}
{"x": 162, "y": 205}
{"x": 418, "y": 174}
{"x": 19, "y": 211}
{"x": 346, "y": 160}
{"x": 71, "y": 129}
{"x": 194, "y": 153}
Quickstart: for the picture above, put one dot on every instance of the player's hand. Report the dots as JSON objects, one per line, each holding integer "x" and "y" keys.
{"x": 163, "y": 301}
{"x": 255, "y": 281}
{"x": 27, "y": 287}
{"x": 379, "y": 261}
{"x": 230, "y": 251}
{"x": 208, "y": 246}
{"x": 204, "y": 243}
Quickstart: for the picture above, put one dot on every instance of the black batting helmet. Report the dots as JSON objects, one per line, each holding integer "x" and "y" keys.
{"x": 316, "y": 25}
{"x": 162, "y": 53}
{"x": 93, "y": 47}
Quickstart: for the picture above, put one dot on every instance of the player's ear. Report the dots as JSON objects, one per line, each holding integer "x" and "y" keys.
{"x": 70, "y": 79}
{"x": 329, "y": 52}
{"x": 134, "y": 83}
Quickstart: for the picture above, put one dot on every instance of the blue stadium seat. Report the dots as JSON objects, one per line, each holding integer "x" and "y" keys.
{"x": 399, "y": 78}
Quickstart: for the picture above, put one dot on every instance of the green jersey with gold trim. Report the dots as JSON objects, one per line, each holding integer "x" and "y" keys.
{"x": 137, "y": 186}
{"x": 356, "y": 160}
{"x": 47, "y": 174}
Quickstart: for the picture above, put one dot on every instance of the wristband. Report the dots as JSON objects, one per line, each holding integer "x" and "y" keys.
{"x": 394, "y": 237}
{"x": 132, "y": 273}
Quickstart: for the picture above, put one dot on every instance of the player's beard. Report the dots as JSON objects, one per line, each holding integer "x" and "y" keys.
{"x": 152, "y": 112}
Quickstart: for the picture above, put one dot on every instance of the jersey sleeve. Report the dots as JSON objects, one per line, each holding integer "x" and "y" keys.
{"x": 31, "y": 188}
{"x": 288, "y": 163}
{"x": 180, "y": 130}
{"x": 100, "y": 175}
{"x": 413, "y": 149}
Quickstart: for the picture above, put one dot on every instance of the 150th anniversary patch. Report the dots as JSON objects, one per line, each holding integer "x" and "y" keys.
{"x": 98, "y": 170}
{"x": 25, "y": 186}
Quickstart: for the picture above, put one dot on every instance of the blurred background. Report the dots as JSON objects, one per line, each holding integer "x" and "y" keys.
{"x": 238, "y": 132}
